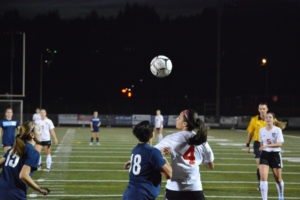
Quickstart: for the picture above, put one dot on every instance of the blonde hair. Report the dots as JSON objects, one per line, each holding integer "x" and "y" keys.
{"x": 24, "y": 132}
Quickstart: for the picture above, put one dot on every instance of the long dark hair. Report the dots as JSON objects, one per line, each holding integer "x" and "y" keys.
{"x": 194, "y": 122}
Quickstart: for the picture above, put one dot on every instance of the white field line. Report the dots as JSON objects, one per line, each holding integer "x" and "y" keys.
{"x": 164, "y": 181}
{"x": 210, "y": 172}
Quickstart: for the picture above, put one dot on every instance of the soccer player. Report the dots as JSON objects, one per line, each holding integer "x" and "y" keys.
{"x": 95, "y": 124}
{"x": 36, "y": 116}
{"x": 46, "y": 127}
{"x": 188, "y": 150}
{"x": 146, "y": 167}
{"x": 158, "y": 125}
{"x": 271, "y": 140}
{"x": 18, "y": 165}
{"x": 256, "y": 123}
{"x": 8, "y": 128}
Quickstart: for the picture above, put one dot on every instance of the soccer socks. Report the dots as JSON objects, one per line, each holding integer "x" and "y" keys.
{"x": 97, "y": 139}
{"x": 40, "y": 160}
{"x": 264, "y": 190}
{"x": 49, "y": 161}
{"x": 160, "y": 137}
{"x": 92, "y": 139}
{"x": 280, "y": 189}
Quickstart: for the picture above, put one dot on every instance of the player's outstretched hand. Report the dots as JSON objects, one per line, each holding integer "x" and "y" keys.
{"x": 44, "y": 191}
{"x": 127, "y": 165}
{"x": 248, "y": 149}
{"x": 166, "y": 151}
{"x": 56, "y": 141}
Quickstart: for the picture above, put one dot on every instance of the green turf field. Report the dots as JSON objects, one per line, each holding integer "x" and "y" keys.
{"x": 80, "y": 171}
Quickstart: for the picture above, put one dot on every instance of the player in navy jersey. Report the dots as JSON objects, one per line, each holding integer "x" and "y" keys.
{"x": 95, "y": 124}
{"x": 19, "y": 163}
{"x": 8, "y": 128}
{"x": 146, "y": 167}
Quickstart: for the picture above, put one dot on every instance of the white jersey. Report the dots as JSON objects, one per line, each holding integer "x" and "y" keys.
{"x": 36, "y": 117}
{"x": 159, "y": 121}
{"x": 185, "y": 161}
{"x": 45, "y": 127}
{"x": 271, "y": 137}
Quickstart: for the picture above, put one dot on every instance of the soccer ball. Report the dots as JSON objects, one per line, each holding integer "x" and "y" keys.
{"x": 161, "y": 66}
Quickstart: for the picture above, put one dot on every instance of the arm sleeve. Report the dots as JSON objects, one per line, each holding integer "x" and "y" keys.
{"x": 157, "y": 159}
{"x": 32, "y": 159}
{"x": 251, "y": 127}
{"x": 208, "y": 155}
{"x": 18, "y": 123}
{"x": 280, "y": 136}
{"x": 51, "y": 125}
{"x": 170, "y": 141}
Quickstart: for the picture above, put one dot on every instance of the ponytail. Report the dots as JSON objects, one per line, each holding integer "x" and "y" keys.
{"x": 193, "y": 122}
{"x": 22, "y": 137}
{"x": 201, "y": 135}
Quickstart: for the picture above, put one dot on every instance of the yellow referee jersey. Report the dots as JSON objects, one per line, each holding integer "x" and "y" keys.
{"x": 255, "y": 124}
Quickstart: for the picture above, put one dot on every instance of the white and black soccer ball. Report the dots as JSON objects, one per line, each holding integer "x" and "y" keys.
{"x": 161, "y": 66}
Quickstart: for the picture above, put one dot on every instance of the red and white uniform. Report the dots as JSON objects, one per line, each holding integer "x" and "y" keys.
{"x": 45, "y": 127}
{"x": 185, "y": 161}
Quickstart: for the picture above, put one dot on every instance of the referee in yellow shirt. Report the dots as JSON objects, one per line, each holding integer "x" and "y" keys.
{"x": 256, "y": 123}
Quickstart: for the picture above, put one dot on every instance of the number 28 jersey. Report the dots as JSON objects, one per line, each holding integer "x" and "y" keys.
{"x": 11, "y": 186}
{"x": 185, "y": 161}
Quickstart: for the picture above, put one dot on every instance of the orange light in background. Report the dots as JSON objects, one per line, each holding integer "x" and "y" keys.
{"x": 263, "y": 62}
{"x": 129, "y": 94}
{"x": 124, "y": 91}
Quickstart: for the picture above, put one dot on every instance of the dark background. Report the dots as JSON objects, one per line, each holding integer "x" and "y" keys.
{"x": 99, "y": 54}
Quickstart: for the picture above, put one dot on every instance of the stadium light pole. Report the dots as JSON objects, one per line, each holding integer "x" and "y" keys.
{"x": 219, "y": 52}
{"x": 41, "y": 79}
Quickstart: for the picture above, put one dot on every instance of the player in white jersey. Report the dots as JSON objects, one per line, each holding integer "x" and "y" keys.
{"x": 188, "y": 150}
{"x": 158, "y": 125}
{"x": 36, "y": 116}
{"x": 271, "y": 140}
{"x": 46, "y": 127}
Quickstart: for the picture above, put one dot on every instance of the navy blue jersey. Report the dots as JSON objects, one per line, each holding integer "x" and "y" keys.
{"x": 9, "y": 131}
{"x": 95, "y": 122}
{"x": 11, "y": 186}
{"x": 144, "y": 173}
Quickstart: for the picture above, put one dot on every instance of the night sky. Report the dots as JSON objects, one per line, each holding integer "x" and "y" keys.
{"x": 104, "y": 46}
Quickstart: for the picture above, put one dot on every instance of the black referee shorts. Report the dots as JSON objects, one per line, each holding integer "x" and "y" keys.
{"x": 184, "y": 195}
{"x": 256, "y": 151}
{"x": 272, "y": 159}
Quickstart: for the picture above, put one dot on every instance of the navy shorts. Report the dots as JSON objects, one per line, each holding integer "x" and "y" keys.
{"x": 95, "y": 130}
{"x": 7, "y": 143}
{"x": 272, "y": 159}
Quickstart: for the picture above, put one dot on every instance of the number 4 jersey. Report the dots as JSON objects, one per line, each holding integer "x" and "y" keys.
{"x": 185, "y": 161}
{"x": 144, "y": 177}
{"x": 11, "y": 186}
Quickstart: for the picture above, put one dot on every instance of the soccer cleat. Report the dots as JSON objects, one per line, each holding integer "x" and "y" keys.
{"x": 47, "y": 170}
{"x": 91, "y": 144}
{"x": 98, "y": 144}
{"x": 39, "y": 167}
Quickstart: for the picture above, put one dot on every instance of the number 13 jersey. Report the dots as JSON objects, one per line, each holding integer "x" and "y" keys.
{"x": 11, "y": 186}
{"x": 185, "y": 161}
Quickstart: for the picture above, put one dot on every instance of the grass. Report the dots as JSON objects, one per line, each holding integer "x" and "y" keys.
{"x": 80, "y": 171}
